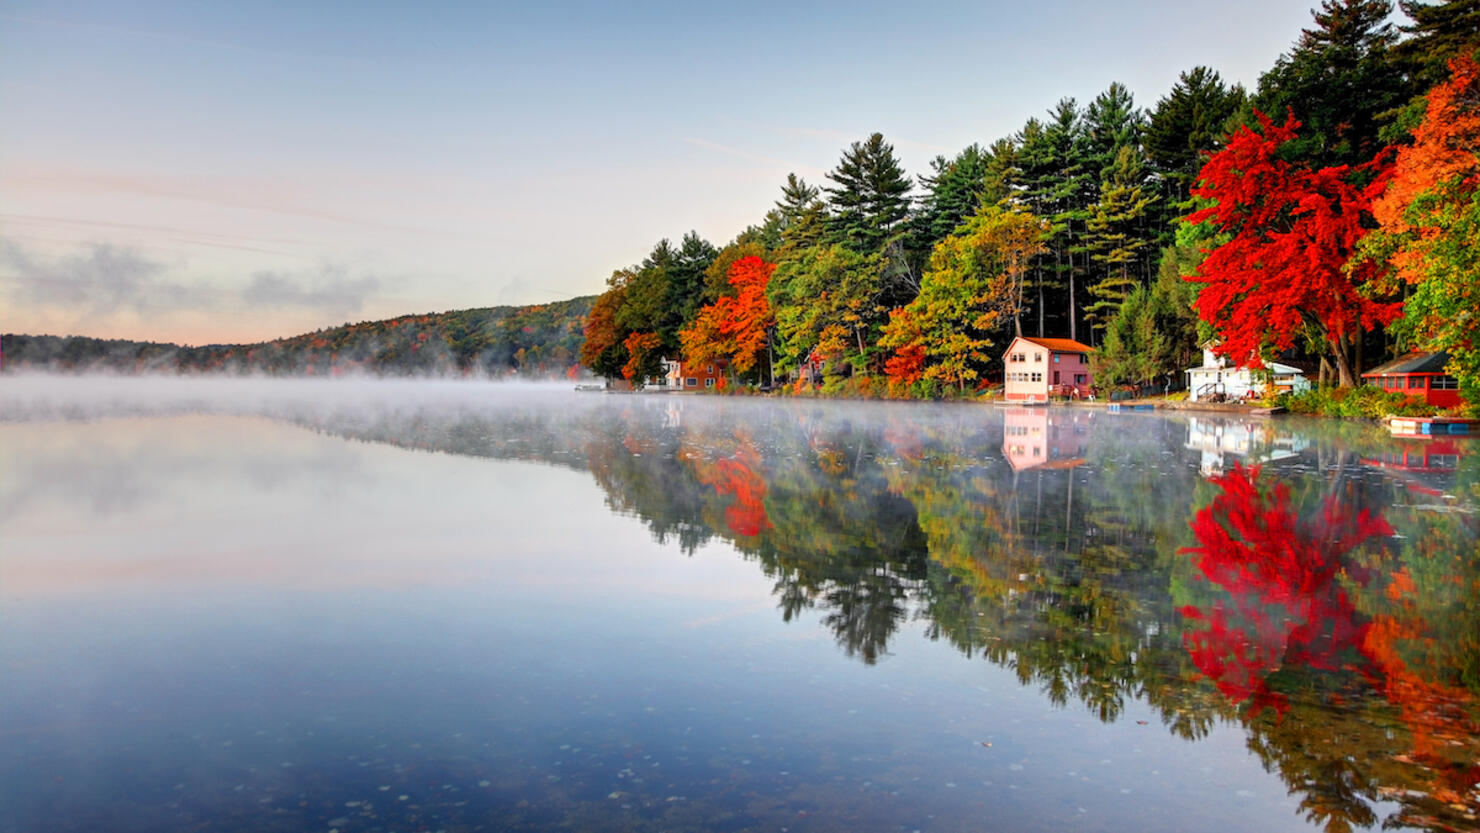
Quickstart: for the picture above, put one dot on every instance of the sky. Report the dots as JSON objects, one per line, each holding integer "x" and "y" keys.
{"x": 211, "y": 172}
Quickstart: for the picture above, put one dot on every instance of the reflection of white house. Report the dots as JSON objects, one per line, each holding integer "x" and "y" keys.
{"x": 671, "y": 375}
{"x": 1217, "y": 379}
{"x": 1252, "y": 441}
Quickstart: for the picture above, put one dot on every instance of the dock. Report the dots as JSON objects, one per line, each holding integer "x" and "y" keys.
{"x": 1431, "y": 426}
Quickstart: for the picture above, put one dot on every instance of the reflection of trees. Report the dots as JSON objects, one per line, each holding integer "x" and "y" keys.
{"x": 1327, "y": 641}
{"x": 1368, "y": 653}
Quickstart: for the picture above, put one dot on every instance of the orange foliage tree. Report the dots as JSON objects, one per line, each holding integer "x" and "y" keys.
{"x": 1445, "y": 150}
{"x": 639, "y": 347}
{"x": 737, "y": 325}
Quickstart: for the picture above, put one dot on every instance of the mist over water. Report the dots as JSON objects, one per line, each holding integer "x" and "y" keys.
{"x": 401, "y": 605}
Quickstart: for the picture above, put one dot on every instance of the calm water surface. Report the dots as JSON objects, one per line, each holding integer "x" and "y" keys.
{"x": 296, "y": 606}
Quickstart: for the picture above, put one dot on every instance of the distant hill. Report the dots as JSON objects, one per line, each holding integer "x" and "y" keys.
{"x": 538, "y": 340}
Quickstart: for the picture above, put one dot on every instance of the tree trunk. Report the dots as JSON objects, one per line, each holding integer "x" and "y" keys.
{"x": 1073, "y": 319}
{"x": 1341, "y": 350}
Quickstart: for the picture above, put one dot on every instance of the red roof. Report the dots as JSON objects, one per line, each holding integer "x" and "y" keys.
{"x": 1060, "y": 345}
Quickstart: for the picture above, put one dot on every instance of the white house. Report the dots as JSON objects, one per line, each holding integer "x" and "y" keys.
{"x": 1218, "y": 379}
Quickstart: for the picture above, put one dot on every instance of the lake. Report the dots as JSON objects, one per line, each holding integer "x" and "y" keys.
{"x": 236, "y": 605}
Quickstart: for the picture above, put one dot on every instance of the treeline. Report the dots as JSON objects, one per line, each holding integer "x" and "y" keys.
{"x": 1220, "y": 213}
{"x": 539, "y": 340}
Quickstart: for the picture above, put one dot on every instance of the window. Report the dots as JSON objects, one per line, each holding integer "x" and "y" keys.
{"x": 1415, "y": 382}
{"x": 1080, "y": 379}
{"x": 708, "y": 383}
{"x": 1037, "y": 357}
{"x": 1056, "y": 358}
{"x": 1037, "y": 377}
{"x": 709, "y": 370}
{"x": 691, "y": 382}
{"x": 1083, "y": 359}
{"x": 1445, "y": 383}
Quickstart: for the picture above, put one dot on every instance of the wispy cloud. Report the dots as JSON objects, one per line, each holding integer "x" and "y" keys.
{"x": 105, "y": 278}
{"x": 329, "y": 289}
{"x": 741, "y": 153}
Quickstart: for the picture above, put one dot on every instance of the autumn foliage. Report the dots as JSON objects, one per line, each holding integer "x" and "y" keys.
{"x": 1445, "y": 150}
{"x": 1286, "y": 604}
{"x": 1284, "y": 273}
{"x": 736, "y": 325}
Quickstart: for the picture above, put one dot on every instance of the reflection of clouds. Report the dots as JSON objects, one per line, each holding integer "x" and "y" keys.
{"x": 122, "y": 467}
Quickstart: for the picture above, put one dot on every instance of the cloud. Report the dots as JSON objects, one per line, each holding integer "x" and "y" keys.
{"x": 330, "y": 290}
{"x": 103, "y": 278}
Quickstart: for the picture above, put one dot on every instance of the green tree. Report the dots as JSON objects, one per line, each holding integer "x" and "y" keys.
{"x": 826, "y": 298}
{"x": 1187, "y": 124}
{"x": 1115, "y": 232}
{"x": 1439, "y": 32}
{"x": 971, "y": 289}
{"x": 1339, "y": 79}
{"x": 870, "y": 197}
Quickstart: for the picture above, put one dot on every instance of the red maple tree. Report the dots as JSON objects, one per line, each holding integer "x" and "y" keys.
{"x": 1284, "y": 273}
{"x": 735, "y": 326}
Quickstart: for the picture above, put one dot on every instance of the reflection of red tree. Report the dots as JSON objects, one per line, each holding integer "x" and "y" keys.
{"x": 1286, "y": 606}
{"x": 737, "y": 475}
{"x": 905, "y": 440}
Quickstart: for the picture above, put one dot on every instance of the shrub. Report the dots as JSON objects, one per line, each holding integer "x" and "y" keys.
{"x": 1364, "y": 402}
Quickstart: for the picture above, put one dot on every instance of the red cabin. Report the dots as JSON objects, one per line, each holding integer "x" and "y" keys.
{"x": 1421, "y": 375}
{"x": 700, "y": 375}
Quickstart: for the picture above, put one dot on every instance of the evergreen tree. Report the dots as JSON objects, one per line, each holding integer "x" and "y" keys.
{"x": 1111, "y": 122}
{"x": 1440, "y": 31}
{"x": 1054, "y": 163}
{"x": 953, "y": 190}
{"x": 686, "y": 281}
{"x": 1188, "y": 123}
{"x": 802, "y": 216}
{"x": 871, "y": 197}
{"x": 1115, "y": 233}
{"x": 1339, "y": 80}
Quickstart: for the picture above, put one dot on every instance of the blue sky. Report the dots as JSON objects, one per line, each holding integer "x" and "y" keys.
{"x": 204, "y": 172}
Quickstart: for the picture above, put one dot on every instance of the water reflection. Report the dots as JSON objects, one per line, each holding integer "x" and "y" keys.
{"x": 1314, "y": 585}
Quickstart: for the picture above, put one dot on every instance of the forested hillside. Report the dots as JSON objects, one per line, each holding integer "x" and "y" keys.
{"x": 540, "y": 340}
{"x": 1322, "y": 215}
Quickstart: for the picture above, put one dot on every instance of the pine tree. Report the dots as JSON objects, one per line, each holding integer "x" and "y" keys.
{"x": 1116, "y": 240}
{"x": 1339, "y": 80}
{"x": 1112, "y": 121}
{"x": 871, "y": 198}
{"x": 1440, "y": 31}
{"x": 1188, "y": 123}
{"x": 953, "y": 191}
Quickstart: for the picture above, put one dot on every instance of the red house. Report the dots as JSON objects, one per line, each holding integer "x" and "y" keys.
{"x": 700, "y": 375}
{"x": 1038, "y": 367}
{"x": 1419, "y": 374}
